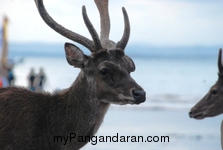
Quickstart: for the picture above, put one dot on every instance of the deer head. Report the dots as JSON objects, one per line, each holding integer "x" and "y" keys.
{"x": 212, "y": 103}
{"x": 107, "y": 70}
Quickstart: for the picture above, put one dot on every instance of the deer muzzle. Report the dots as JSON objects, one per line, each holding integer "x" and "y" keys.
{"x": 139, "y": 96}
{"x": 197, "y": 113}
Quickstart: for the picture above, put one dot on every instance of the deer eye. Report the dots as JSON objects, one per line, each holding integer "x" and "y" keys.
{"x": 214, "y": 92}
{"x": 104, "y": 71}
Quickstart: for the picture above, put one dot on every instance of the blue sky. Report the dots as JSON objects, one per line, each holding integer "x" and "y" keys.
{"x": 153, "y": 22}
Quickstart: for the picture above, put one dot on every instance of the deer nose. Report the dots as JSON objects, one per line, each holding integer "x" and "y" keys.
{"x": 191, "y": 113}
{"x": 139, "y": 95}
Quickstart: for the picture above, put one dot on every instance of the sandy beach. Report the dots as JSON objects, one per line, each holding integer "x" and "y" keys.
{"x": 184, "y": 133}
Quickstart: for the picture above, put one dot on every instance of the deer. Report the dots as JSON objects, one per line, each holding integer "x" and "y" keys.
{"x": 212, "y": 103}
{"x": 31, "y": 120}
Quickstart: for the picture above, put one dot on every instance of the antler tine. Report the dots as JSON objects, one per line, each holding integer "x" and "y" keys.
{"x": 220, "y": 68}
{"x": 92, "y": 30}
{"x": 60, "y": 29}
{"x": 102, "y": 6}
{"x": 125, "y": 38}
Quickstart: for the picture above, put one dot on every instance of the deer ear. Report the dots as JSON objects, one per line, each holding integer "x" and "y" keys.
{"x": 75, "y": 56}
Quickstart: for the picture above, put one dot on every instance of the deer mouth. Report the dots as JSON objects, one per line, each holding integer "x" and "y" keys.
{"x": 129, "y": 99}
{"x": 123, "y": 100}
{"x": 198, "y": 115}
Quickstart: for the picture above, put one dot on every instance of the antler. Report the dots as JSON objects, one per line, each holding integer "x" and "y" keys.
{"x": 102, "y": 6}
{"x": 105, "y": 26}
{"x": 92, "y": 46}
{"x": 96, "y": 44}
{"x": 105, "y": 20}
{"x": 92, "y": 31}
{"x": 125, "y": 38}
{"x": 220, "y": 68}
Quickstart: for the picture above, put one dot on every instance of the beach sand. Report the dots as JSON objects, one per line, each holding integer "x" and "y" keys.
{"x": 184, "y": 133}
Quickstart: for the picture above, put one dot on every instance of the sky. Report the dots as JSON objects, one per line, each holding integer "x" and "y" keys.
{"x": 153, "y": 22}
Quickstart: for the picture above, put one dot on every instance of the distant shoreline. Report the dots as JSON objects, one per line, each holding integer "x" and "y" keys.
{"x": 31, "y": 49}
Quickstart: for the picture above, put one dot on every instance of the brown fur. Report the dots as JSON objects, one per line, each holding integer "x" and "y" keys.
{"x": 31, "y": 120}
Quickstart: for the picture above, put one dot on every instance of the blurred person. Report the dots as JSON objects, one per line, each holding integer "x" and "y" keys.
{"x": 31, "y": 79}
{"x": 40, "y": 80}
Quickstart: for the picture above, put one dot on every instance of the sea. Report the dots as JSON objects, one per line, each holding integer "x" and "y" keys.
{"x": 175, "y": 78}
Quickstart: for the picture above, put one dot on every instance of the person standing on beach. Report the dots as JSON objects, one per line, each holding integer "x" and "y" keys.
{"x": 40, "y": 80}
{"x": 31, "y": 78}
{"x": 36, "y": 81}
{"x": 11, "y": 77}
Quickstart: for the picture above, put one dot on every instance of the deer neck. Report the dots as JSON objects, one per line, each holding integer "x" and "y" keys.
{"x": 86, "y": 111}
